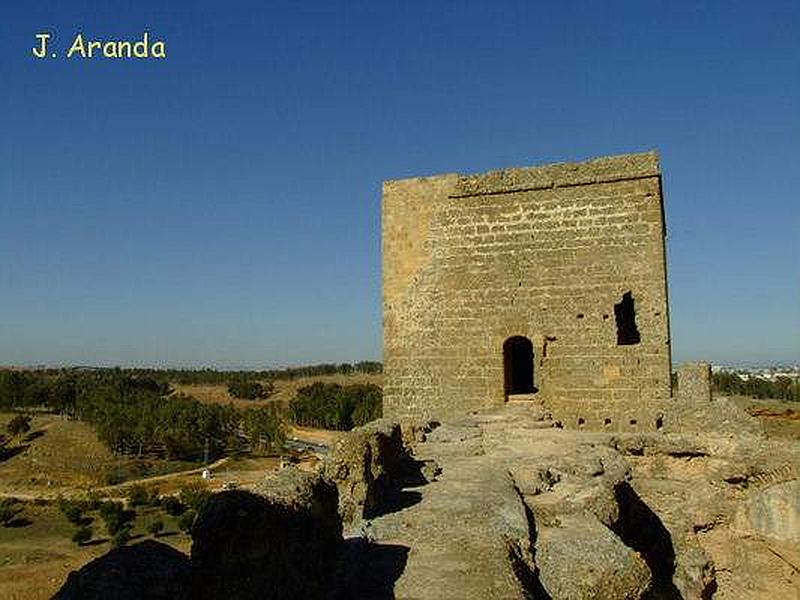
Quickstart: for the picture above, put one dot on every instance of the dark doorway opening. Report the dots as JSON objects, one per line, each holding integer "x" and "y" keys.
{"x": 518, "y": 365}
{"x": 625, "y": 313}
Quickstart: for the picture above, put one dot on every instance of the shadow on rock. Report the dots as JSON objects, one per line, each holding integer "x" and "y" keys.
{"x": 248, "y": 545}
{"x": 369, "y": 570}
{"x": 393, "y": 501}
{"x": 149, "y": 570}
{"x": 641, "y": 529}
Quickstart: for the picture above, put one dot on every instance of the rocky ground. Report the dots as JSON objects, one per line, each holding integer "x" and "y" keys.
{"x": 501, "y": 504}
{"x": 513, "y": 507}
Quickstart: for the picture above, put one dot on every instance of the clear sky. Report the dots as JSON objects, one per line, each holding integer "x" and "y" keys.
{"x": 222, "y": 207}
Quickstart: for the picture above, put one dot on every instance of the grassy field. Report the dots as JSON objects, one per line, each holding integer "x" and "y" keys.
{"x": 780, "y": 419}
{"x": 66, "y": 458}
{"x": 36, "y": 557}
{"x": 285, "y": 390}
{"x": 60, "y": 457}
{"x": 57, "y": 455}
{"x": 63, "y": 457}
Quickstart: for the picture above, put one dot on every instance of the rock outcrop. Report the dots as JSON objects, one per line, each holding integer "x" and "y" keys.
{"x": 367, "y": 465}
{"x": 281, "y": 541}
{"x": 608, "y": 515}
{"x": 499, "y": 504}
{"x": 149, "y": 570}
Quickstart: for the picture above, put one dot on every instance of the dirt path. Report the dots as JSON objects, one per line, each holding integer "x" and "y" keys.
{"x": 110, "y": 489}
{"x": 166, "y": 477}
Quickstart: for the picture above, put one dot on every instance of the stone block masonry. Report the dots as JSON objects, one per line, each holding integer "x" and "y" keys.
{"x": 694, "y": 381}
{"x": 541, "y": 283}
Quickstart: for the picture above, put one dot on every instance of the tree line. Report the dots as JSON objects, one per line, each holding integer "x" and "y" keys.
{"x": 731, "y": 384}
{"x": 210, "y": 376}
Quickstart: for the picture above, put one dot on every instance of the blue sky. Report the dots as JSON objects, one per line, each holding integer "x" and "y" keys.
{"x": 222, "y": 207}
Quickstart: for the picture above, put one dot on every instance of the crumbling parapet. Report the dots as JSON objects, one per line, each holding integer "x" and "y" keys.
{"x": 694, "y": 381}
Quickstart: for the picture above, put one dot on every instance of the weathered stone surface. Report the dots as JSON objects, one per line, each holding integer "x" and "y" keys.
{"x": 773, "y": 512}
{"x": 283, "y": 541}
{"x": 145, "y": 571}
{"x": 467, "y": 534}
{"x": 472, "y": 533}
{"x": 694, "y": 381}
{"x": 703, "y": 489}
{"x": 366, "y": 465}
{"x": 583, "y": 559}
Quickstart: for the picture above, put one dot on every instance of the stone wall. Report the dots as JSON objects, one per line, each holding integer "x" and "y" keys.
{"x": 694, "y": 381}
{"x": 545, "y": 253}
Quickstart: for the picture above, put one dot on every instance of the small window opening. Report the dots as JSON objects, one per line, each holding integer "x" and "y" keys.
{"x": 625, "y": 313}
{"x": 580, "y": 315}
{"x": 606, "y": 421}
{"x": 659, "y": 422}
{"x": 581, "y": 421}
{"x": 633, "y": 421}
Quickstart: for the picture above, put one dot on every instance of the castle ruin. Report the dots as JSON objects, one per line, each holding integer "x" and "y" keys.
{"x": 544, "y": 284}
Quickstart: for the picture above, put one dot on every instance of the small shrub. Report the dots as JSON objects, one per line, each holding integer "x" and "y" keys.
{"x": 82, "y": 535}
{"x": 156, "y": 527}
{"x": 173, "y": 506}
{"x": 138, "y": 496}
{"x": 250, "y": 390}
{"x": 10, "y": 508}
{"x": 194, "y": 496}
{"x": 19, "y": 424}
{"x": 186, "y": 521}
{"x": 115, "y": 516}
{"x": 92, "y": 501}
{"x": 72, "y": 511}
{"x": 154, "y": 498}
{"x": 121, "y": 537}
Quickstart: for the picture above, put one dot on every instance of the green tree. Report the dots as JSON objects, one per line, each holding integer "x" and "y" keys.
{"x": 156, "y": 527}
{"x": 82, "y": 535}
{"x": 121, "y": 537}
{"x": 186, "y": 520}
{"x": 10, "y": 508}
{"x": 194, "y": 496}
{"x": 115, "y": 516}
{"x": 264, "y": 429}
{"x": 19, "y": 425}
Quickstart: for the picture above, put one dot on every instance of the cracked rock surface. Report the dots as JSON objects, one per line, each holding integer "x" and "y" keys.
{"x": 504, "y": 505}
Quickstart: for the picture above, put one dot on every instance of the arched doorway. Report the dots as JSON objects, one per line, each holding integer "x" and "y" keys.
{"x": 518, "y": 365}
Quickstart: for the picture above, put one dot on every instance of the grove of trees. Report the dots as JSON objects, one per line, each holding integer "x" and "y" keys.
{"x": 334, "y": 406}
{"x": 130, "y": 413}
{"x": 249, "y": 389}
{"x": 135, "y": 412}
{"x": 731, "y": 384}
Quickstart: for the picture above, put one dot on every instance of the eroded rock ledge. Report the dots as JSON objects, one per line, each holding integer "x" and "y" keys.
{"x": 506, "y": 505}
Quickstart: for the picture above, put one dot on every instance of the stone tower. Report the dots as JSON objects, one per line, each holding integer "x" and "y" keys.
{"x": 544, "y": 283}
